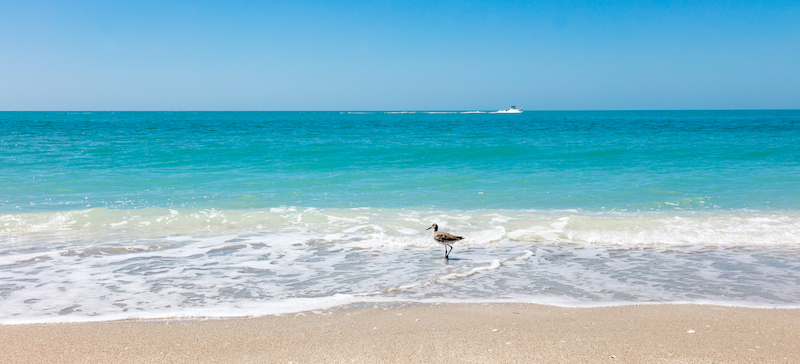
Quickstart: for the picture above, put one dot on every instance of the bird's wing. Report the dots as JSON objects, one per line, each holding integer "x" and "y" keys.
{"x": 449, "y": 236}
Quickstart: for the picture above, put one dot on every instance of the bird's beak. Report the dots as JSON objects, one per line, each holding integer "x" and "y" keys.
{"x": 429, "y": 228}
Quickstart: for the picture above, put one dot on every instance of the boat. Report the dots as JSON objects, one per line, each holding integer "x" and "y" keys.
{"x": 512, "y": 110}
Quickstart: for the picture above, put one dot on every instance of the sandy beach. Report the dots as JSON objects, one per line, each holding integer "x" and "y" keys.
{"x": 451, "y": 333}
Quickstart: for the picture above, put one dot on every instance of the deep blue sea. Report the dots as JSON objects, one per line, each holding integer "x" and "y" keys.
{"x": 111, "y": 215}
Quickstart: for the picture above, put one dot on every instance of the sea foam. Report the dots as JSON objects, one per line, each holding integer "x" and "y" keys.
{"x": 87, "y": 265}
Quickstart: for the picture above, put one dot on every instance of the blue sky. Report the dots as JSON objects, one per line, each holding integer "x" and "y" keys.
{"x": 398, "y": 55}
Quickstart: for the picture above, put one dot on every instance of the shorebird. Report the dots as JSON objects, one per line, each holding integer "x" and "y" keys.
{"x": 445, "y": 239}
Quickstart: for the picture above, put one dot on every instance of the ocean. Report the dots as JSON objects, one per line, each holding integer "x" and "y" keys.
{"x": 117, "y": 215}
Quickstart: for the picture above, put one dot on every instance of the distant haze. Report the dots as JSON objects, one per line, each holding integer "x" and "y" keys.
{"x": 394, "y": 55}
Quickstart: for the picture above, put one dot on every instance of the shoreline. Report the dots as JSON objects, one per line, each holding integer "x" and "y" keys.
{"x": 446, "y": 332}
{"x": 348, "y": 306}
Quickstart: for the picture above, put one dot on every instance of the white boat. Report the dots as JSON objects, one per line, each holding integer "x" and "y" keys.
{"x": 512, "y": 110}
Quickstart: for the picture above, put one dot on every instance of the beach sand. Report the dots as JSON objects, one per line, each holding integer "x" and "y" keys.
{"x": 446, "y": 333}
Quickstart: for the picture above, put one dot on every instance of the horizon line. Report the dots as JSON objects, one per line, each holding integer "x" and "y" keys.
{"x": 405, "y": 111}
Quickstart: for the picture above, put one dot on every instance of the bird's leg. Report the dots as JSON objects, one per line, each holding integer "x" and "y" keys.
{"x": 446, "y": 253}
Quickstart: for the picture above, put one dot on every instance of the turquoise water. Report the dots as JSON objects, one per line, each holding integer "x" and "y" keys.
{"x": 631, "y": 161}
{"x": 108, "y": 215}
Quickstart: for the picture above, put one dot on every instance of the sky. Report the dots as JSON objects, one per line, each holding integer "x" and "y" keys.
{"x": 399, "y": 55}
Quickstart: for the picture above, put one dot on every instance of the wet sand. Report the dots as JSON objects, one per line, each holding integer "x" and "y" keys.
{"x": 446, "y": 333}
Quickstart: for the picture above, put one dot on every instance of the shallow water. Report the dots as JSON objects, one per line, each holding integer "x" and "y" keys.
{"x": 116, "y": 215}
